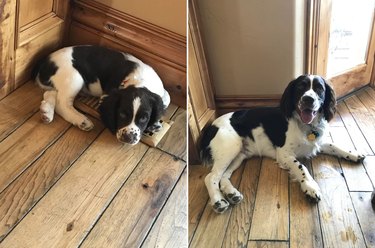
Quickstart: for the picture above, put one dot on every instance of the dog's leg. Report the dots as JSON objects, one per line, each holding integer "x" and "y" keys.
{"x": 230, "y": 192}
{"x": 299, "y": 172}
{"x": 47, "y": 106}
{"x": 64, "y": 107}
{"x": 225, "y": 154}
{"x": 334, "y": 150}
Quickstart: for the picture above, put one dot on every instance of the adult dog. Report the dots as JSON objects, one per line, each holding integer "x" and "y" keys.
{"x": 294, "y": 130}
{"x": 133, "y": 96}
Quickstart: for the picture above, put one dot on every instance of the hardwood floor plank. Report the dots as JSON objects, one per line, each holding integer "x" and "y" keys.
{"x": 366, "y": 215}
{"x": 30, "y": 187}
{"x": 370, "y": 168}
{"x": 176, "y": 133}
{"x": 212, "y": 226}
{"x": 25, "y": 145}
{"x": 198, "y": 196}
{"x": 353, "y": 130}
{"x": 267, "y": 244}
{"x": 355, "y": 105}
{"x": 129, "y": 217}
{"x": 367, "y": 100}
{"x": 304, "y": 218}
{"x": 339, "y": 223}
{"x": 337, "y": 121}
{"x": 352, "y": 171}
{"x": 64, "y": 216}
{"x": 170, "y": 228}
{"x": 19, "y": 106}
{"x": 238, "y": 230}
{"x": 271, "y": 214}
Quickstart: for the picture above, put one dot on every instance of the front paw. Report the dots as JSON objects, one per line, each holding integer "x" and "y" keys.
{"x": 86, "y": 125}
{"x": 311, "y": 190}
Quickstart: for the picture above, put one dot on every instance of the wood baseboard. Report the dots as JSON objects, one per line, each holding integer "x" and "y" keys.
{"x": 165, "y": 51}
{"x": 226, "y": 104}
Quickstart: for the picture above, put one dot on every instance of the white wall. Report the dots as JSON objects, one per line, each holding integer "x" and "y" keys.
{"x": 254, "y": 47}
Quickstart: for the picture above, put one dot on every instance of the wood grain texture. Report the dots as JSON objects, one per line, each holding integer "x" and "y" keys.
{"x": 354, "y": 132}
{"x": 7, "y": 32}
{"x": 267, "y": 244}
{"x": 170, "y": 228}
{"x": 238, "y": 230}
{"x": 212, "y": 226}
{"x": 339, "y": 223}
{"x": 176, "y": 132}
{"x": 127, "y": 220}
{"x": 370, "y": 168}
{"x": 70, "y": 209}
{"x": 23, "y": 141}
{"x": 304, "y": 218}
{"x": 30, "y": 186}
{"x": 18, "y": 107}
{"x": 366, "y": 215}
{"x": 198, "y": 196}
{"x": 271, "y": 213}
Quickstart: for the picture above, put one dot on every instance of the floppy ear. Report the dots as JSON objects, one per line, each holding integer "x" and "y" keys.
{"x": 287, "y": 104}
{"x": 157, "y": 108}
{"x": 108, "y": 110}
{"x": 329, "y": 105}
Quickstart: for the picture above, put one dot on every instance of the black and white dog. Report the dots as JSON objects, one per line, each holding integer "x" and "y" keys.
{"x": 133, "y": 96}
{"x": 294, "y": 130}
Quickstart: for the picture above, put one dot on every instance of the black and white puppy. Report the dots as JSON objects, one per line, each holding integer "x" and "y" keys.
{"x": 133, "y": 96}
{"x": 294, "y": 130}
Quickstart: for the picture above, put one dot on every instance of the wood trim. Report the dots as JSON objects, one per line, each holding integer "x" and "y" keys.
{"x": 312, "y": 26}
{"x": 231, "y": 103}
{"x": 7, "y": 32}
{"x": 165, "y": 51}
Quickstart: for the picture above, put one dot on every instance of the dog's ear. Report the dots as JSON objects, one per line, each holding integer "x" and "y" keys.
{"x": 287, "y": 104}
{"x": 329, "y": 105}
{"x": 108, "y": 110}
{"x": 157, "y": 107}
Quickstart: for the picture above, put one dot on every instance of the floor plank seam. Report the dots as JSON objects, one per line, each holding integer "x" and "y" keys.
{"x": 52, "y": 185}
{"x": 358, "y": 221}
{"x": 30, "y": 163}
{"x": 99, "y": 216}
{"x": 318, "y": 207}
{"x": 166, "y": 201}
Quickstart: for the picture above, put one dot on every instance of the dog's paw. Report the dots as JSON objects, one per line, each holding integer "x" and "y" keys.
{"x": 46, "y": 112}
{"x": 86, "y": 125}
{"x": 355, "y": 157}
{"x": 311, "y": 190}
{"x": 156, "y": 127}
{"x": 220, "y": 206}
{"x": 234, "y": 198}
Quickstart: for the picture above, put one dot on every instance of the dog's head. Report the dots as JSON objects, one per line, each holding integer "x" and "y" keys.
{"x": 308, "y": 95}
{"x": 128, "y": 112}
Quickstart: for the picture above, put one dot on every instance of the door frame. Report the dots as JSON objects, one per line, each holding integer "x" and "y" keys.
{"x": 317, "y": 38}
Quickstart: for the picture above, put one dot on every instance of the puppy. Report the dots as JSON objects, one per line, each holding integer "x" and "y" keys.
{"x": 133, "y": 96}
{"x": 294, "y": 130}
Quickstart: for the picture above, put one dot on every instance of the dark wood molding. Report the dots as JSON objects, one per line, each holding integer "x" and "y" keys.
{"x": 96, "y": 23}
{"x": 226, "y": 104}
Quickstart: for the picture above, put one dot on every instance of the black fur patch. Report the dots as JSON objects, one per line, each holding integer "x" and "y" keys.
{"x": 272, "y": 120}
{"x": 46, "y": 69}
{"x": 208, "y": 133}
{"x": 109, "y": 66}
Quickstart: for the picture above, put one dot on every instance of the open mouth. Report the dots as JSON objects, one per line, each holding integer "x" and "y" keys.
{"x": 307, "y": 115}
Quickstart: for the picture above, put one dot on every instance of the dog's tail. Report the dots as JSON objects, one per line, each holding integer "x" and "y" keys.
{"x": 208, "y": 133}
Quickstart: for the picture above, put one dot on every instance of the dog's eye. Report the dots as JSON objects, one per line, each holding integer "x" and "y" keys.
{"x": 122, "y": 115}
{"x": 143, "y": 119}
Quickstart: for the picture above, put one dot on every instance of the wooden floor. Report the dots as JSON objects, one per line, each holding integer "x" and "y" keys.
{"x": 63, "y": 187}
{"x": 275, "y": 213}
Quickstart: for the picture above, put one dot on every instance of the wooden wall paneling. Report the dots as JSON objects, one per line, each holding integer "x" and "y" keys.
{"x": 39, "y": 31}
{"x": 165, "y": 51}
{"x": 7, "y": 27}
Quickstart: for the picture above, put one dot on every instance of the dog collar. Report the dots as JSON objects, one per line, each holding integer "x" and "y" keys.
{"x": 313, "y": 135}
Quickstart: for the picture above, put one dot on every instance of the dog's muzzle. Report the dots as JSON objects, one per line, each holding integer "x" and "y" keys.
{"x": 128, "y": 135}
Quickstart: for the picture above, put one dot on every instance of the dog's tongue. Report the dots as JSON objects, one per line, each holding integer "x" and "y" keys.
{"x": 307, "y": 116}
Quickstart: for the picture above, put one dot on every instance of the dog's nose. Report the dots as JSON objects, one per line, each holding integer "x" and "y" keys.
{"x": 130, "y": 137}
{"x": 308, "y": 100}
